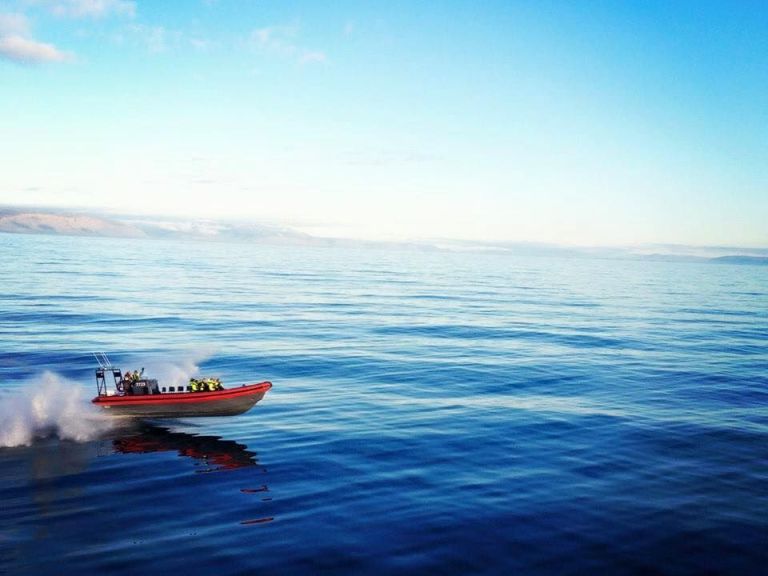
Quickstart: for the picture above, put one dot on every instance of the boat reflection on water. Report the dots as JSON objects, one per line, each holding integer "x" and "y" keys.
{"x": 215, "y": 453}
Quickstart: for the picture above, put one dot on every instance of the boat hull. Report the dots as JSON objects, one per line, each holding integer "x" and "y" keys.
{"x": 229, "y": 402}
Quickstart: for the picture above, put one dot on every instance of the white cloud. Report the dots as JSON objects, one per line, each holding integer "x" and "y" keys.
{"x": 283, "y": 41}
{"x": 200, "y": 44}
{"x": 157, "y": 39}
{"x": 154, "y": 38}
{"x": 13, "y": 25}
{"x": 29, "y": 51}
{"x": 89, "y": 8}
{"x": 17, "y": 45}
{"x": 277, "y": 38}
{"x": 308, "y": 57}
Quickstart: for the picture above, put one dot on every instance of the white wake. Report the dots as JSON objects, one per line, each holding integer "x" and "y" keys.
{"x": 50, "y": 405}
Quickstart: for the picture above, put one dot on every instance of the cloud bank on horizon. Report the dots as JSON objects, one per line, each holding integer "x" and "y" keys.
{"x": 597, "y": 123}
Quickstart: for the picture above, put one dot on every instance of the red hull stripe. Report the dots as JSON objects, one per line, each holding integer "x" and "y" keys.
{"x": 183, "y": 397}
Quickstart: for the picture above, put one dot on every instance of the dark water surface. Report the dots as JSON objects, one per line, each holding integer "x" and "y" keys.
{"x": 431, "y": 413}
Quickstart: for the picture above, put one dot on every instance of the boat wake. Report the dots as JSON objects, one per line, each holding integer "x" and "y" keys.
{"x": 48, "y": 406}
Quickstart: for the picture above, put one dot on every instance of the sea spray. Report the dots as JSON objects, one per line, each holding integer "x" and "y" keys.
{"x": 178, "y": 370}
{"x": 50, "y": 405}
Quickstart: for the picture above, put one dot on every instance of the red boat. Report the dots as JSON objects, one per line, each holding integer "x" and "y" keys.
{"x": 142, "y": 397}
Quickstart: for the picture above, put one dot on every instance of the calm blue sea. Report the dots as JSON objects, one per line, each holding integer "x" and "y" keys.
{"x": 432, "y": 412}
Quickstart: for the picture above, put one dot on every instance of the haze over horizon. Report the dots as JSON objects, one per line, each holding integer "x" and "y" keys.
{"x": 592, "y": 124}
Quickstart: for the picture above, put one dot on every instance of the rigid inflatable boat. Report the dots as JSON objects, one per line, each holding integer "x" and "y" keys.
{"x": 134, "y": 395}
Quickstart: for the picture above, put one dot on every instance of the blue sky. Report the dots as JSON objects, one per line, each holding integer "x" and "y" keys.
{"x": 567, "y": 122}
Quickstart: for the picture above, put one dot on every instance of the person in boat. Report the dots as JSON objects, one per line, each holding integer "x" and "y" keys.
{"x": 126, "y": 382}
{"x": 137, "y": 386}
{"x": 205, "y": 385}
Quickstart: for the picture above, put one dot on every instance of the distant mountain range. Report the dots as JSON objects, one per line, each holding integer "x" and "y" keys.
{"x": 60, "y": 222}
{"x": 18, "y": 221}
{"x": 65, "y": 224}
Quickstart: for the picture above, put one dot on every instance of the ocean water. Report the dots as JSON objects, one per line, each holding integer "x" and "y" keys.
{"x": 432, "y": 413}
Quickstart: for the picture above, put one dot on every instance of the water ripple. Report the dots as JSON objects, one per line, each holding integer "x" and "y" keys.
{"x": 432, "y": 413}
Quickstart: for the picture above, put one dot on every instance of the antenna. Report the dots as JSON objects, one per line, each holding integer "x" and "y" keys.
{"x": 103, "y": 360}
